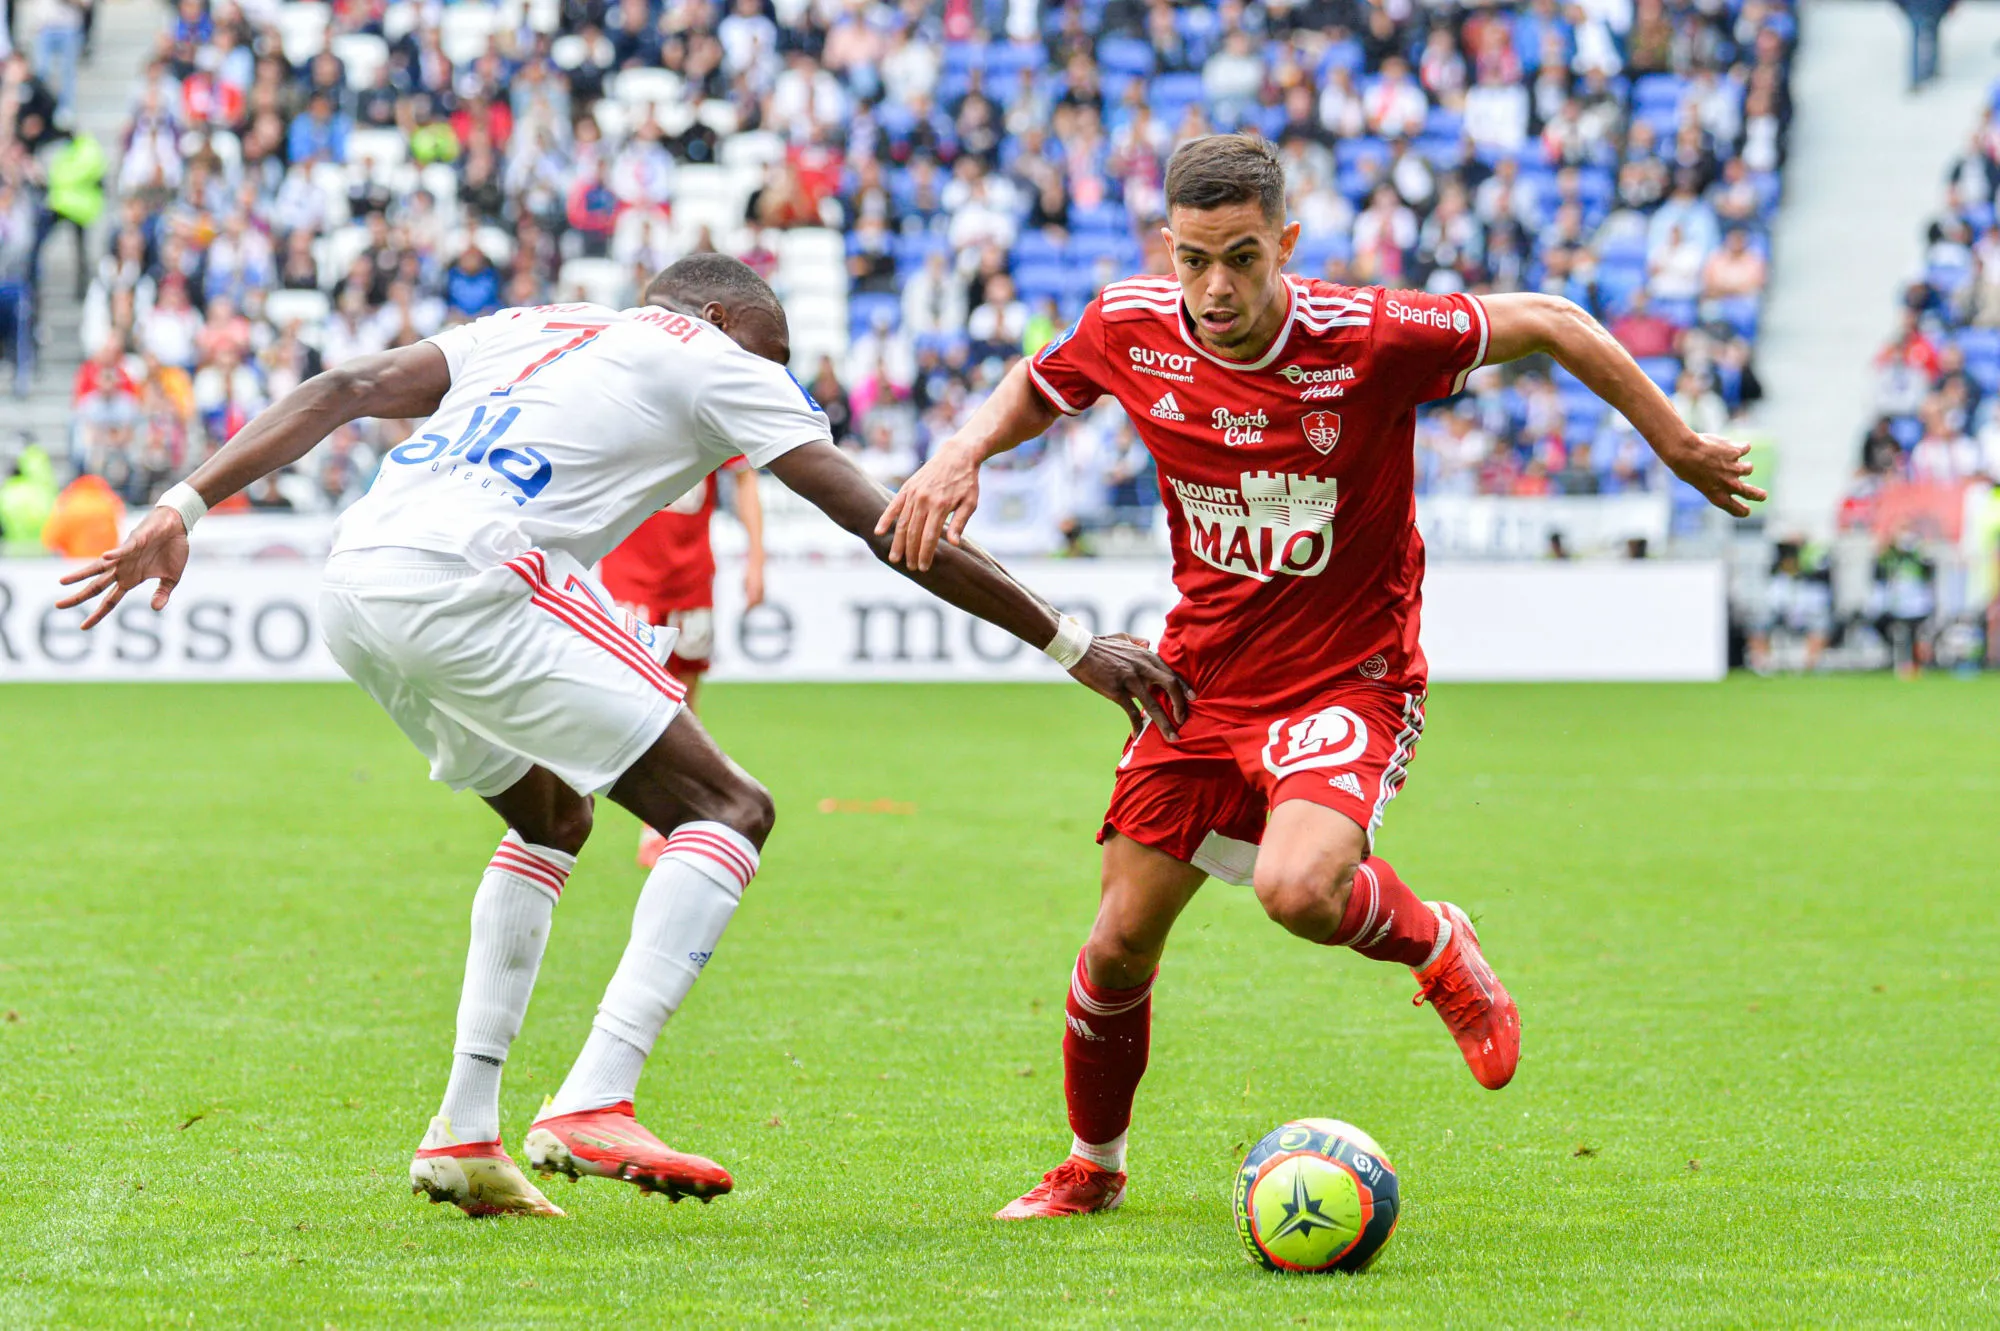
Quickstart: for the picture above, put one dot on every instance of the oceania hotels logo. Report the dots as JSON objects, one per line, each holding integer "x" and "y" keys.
{"x": 1330, "y": 381}
{"x": 1167, "y": 409}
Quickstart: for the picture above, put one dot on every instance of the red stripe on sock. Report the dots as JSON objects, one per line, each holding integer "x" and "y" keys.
{"x": 713, "y": 848}
{"x": 717, "y": 841}
{"x": 534, "y": 870}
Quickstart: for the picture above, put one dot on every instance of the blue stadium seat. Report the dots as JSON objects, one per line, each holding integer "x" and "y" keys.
{"x": 1679, "y": 313}
{"x": 1034, "y": 247}
{"x": 1351, "y": 153}
{"x": 1087, "y": 247}
{"x": 1616, "y": 284}
{"x": 1006, "y": 60}
{"x": 1654, "y": 93}
{"x": 1125, "y": 55}
{"x": 1740, "y": 313}
{"x": 1172, "y": 94}
{"x": 1310, "y": 258}
{"x": 1042, "y": 279}
{"x": 1662, "y": 370}
{"x": 1444, "y": 124}
{"x": 962, "y": 56}
{"x": 912, "y": 247}
{"x": 863, "y": 307}
{"x": 1980, "y": 343}
{"x": 1346, "y": 54}
{"x": 1102, "y": 217}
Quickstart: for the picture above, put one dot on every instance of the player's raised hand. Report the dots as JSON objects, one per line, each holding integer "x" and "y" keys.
{"x": 938, "y": 500}
{"x": 1124, "y": 669}
{"x": 1716, "y": 467}
{"x": 156, "y": 548}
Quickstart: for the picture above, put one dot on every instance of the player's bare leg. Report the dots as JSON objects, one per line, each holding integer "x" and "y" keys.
{"x": 1108, "y": 1018}
{"x": 718, "y": 817}
{"x": 461, "y": 1159}
{"x": 1315, "y": 877}
{"x": 652, "y": 841}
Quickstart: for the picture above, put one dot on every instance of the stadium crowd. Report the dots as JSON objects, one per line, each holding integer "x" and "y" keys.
{"x": 1921, "y": 506}
{"x": 936, "y": 188}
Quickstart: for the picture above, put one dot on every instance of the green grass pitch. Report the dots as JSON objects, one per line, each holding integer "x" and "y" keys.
{"x": 1751, "y": 928}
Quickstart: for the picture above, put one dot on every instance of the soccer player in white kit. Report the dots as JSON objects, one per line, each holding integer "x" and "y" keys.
{"x": 458, "y": 594}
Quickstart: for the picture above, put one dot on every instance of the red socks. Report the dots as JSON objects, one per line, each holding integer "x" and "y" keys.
{"x": 1384, "y": 919}
{"x": 1104, "y": 1056}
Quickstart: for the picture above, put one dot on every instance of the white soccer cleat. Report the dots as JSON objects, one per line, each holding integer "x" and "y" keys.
{"x": 477, "y": 1177}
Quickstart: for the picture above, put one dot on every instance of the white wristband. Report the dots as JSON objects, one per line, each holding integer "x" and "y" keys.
{"x": 183, "y": 500}
{"x": 1072, "y": 640}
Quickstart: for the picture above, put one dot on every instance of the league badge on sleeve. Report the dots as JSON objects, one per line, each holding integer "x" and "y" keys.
{"x": 1322, "y": 429}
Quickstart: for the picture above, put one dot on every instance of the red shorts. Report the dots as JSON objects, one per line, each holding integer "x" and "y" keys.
{"x": 1205, "y": 799}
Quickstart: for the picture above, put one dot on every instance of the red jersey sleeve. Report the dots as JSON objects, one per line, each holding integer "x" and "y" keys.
{"x": 1430, "y": 342}
{"x": 1073, "y": 371}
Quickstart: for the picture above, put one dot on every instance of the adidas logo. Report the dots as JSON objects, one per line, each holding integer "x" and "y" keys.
{"x": 1167, "y": 409}
{"x": 1082, "y": 1029}
{"x": 1346, "y": 781}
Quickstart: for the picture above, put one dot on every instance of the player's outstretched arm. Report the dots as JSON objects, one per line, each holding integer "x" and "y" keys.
{"x": 407, "y": 382}
{"x": 1524, "y": 323}
{"x": 1119, "y": 666}
{"x": 941, "y": 497}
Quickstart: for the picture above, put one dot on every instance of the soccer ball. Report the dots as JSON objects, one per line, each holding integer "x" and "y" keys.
{"x": 1315, "y": 1194}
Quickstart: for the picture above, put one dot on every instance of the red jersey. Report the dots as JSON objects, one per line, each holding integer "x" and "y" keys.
{"x": 1289, "y": 481}
{"x": 669, "y": 562}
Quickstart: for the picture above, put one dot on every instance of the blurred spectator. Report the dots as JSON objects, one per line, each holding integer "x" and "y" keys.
{"x": 83, "y": 523}
{"x": 27, "y": 497}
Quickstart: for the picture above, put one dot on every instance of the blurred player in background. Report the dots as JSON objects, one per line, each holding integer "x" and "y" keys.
{"x": 1280, "y": 412}
{"x": 665, "y": 574}
{"x": 458, "y": 595}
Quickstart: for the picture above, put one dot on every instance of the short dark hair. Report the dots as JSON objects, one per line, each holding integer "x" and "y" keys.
{"x": 694, "y": 281}
{"x": 1220, "y": 169}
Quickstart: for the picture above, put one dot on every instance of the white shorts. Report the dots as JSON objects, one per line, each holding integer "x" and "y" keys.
{"x": 491, "y": 673}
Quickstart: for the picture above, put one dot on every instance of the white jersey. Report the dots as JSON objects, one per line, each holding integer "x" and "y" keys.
{"x": 566, "y": 426}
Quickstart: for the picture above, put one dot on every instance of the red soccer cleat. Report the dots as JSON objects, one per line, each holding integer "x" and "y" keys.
{"x": 1476, "y": 1007}
{"x": 652, "y": 845}
{"x": 1074, "y": 1187}
{"x": 611, "y": 1143}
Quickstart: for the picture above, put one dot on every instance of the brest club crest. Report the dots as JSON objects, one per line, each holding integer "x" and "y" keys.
{"x": 1322, "y": 429}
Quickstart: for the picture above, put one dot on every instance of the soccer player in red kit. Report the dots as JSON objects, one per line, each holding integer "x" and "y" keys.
{"x": 665, "y": 573}
{"x": 1280, "y": 412}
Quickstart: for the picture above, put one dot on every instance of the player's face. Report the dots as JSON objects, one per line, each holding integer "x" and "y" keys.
{"x": 1230, "y": 262}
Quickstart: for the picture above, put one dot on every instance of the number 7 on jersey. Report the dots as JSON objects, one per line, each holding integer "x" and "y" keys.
{"x": 584, "y": 333}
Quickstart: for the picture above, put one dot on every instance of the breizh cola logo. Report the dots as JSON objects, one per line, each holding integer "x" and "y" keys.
{"x": 1277, "y": 524}
{"x": 1245, "y": 427}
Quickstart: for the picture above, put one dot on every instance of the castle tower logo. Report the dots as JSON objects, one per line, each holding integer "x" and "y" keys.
{"x": 1276, "y": 524}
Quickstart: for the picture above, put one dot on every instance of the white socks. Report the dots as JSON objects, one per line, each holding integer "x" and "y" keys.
{"x": 1110, "y": 1155}
{"x": 510, "y": 926}
{"x": 682, "y": 911}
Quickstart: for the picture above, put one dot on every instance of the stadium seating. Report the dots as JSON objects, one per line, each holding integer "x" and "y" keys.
{"x": 577, "y": 149}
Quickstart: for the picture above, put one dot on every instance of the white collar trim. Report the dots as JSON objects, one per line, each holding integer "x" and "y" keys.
{"x": 1271, "y": 353}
